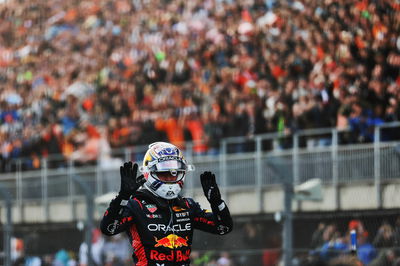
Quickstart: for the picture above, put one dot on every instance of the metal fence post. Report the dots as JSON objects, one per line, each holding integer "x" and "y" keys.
{"x": 7, "y": 227}
{"x": 128, "y": 154}
{"x": 189, "y": 156}
{"x": 377, "y": 167}
{"x": 279, "y": 167}
{"x": 99, "y": 178}
{"x": 335, "y": 168}
{"x": 288, "y": 224}
{"x": 18, "y": 177}
{"x": 89, "y": 215}
{"x": 44, "y": 181}
{"x": 259, "y": 174}
{"x": 71, "y": 188}
{"x": 295, "y": 165}
{"x": 223, "y": 170}
{"x": 295, "y": 154}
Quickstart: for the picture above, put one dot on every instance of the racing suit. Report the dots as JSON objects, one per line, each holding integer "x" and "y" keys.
{"x": 161, "y": 231}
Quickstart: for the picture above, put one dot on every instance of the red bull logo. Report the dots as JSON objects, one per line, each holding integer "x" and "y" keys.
{"x": 174, "y": 255}
{"x": 171, "y": 241}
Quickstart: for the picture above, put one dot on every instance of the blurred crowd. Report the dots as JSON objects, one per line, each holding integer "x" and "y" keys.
{"x": 108, "y": 251}
{"x": 331, "y": 245}
{"x": 79, "y": 78}
{"x": 378, "y": 244}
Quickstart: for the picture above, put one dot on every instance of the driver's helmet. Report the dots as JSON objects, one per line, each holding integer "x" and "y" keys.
{"x": 164, "y": 168}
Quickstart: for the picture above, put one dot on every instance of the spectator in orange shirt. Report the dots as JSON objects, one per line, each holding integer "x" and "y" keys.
{"x": 173, "y": 126}
{"x": 196, "y": 129}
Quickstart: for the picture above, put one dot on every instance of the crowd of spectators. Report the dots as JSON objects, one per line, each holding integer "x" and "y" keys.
{"x": 110, "y": 251}
{"x": 330, "y": 244}
{"x": 79, "y": 77}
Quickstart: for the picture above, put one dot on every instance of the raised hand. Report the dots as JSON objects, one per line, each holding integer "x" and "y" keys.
{"x": 129, "y": 182}
{"x": 210, "y": 188}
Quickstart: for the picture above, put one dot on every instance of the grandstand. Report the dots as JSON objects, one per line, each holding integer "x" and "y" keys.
{"x": 266, "y": 94}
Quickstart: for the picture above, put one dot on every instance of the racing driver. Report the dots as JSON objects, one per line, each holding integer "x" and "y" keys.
{"x": 158, "y": 221}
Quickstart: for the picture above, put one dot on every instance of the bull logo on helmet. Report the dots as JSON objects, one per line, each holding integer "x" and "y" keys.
{"x": 168, "y": 151}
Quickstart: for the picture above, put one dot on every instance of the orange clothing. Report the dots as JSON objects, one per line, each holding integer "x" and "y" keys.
{"x": 197, "y": 131}
{"x": 173, "y": 130}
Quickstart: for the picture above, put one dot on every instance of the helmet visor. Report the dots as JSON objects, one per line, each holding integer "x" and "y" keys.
{"x": 170, "y": 176}
{"x": 164, "y": 166}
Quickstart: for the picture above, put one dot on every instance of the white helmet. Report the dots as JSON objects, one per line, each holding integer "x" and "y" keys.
{"x": 164, "y": 168}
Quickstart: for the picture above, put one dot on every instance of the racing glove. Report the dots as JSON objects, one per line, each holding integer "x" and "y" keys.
{"x": 210, "y": 188}
{"x": 129, "y": 182}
